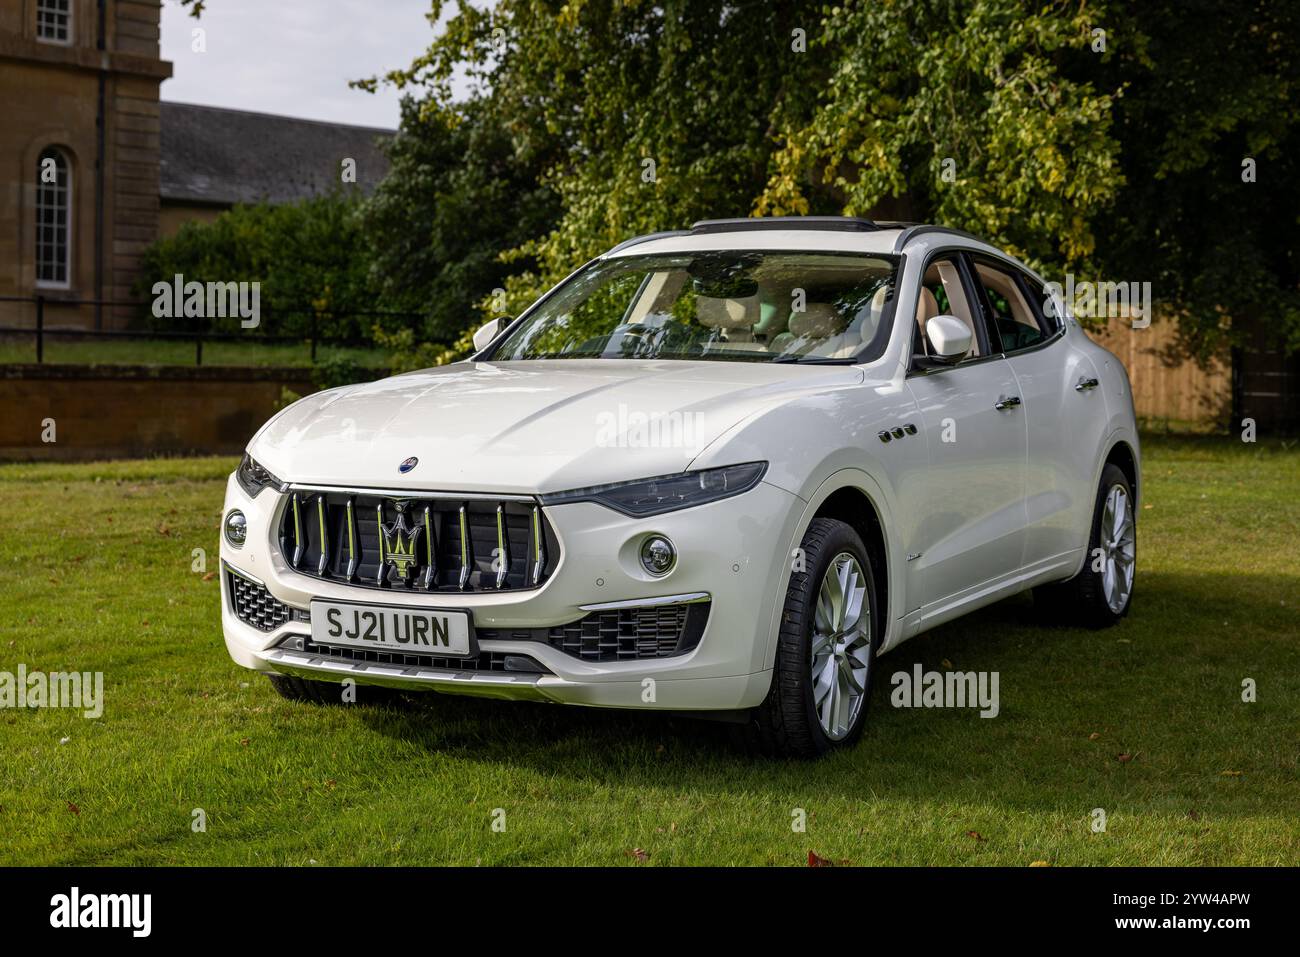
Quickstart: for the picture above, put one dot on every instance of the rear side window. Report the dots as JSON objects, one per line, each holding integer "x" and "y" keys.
{"x": 1014, "y": 315}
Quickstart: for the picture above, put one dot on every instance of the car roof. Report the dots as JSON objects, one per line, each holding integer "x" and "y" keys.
{"x": 811, "y": 233}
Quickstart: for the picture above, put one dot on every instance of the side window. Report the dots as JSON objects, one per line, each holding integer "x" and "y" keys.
{"x": 943, "y": 293}
{"x": 1013, "y": 317}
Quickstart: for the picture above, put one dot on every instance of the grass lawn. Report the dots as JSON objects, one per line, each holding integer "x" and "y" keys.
{"x": 95, "y": 575}
{"x": 64, "y": 349}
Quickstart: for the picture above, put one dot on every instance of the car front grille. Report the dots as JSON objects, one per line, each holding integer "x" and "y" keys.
{"x": 254, "y": 605}
{"x": 497, "y": 661}
{"x": 418, "y": 544}
{"x": 622, "y": 634}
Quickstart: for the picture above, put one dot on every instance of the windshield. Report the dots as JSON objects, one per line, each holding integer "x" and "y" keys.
{"x": 738, "y": 306}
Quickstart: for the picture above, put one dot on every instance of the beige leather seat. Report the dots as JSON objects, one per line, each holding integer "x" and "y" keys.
{"x": 732, "y": 318}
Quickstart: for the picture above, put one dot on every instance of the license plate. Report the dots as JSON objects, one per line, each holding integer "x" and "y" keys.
{"x": 390, "y": 628}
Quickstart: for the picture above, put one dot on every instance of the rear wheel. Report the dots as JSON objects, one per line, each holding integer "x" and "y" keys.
{"x": 1100, "y": 595}
{"x": 826, "y": 650}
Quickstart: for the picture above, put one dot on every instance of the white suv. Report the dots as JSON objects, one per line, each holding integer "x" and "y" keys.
{"x": 716, "y": 471}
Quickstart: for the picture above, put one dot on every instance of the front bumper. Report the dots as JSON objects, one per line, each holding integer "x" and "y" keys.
{"x": 733, "y": 551}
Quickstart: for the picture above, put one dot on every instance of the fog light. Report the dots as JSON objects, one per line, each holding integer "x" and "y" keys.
{"x": 236, "y": 528}
{"x": 658, "y": 555}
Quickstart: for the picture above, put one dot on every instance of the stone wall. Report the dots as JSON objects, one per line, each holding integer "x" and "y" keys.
{"x": 102, "y": 412}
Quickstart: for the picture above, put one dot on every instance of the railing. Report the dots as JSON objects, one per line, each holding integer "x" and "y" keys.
{"x": 198, "y": 336}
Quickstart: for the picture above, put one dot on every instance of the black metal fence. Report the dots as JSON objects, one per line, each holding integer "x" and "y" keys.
{"x": 41, "y": 332}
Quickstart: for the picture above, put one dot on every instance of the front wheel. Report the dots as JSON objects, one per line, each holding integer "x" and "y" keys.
{"x": 826, "y": 649}
{"x": 1100, "y": 595}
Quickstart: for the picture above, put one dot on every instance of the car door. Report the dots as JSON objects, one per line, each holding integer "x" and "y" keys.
{"x": 971, "y": 498}
{"x": 1063, "y": 410}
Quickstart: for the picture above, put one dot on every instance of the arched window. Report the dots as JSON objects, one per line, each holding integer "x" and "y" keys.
{"x": 53, "y": 218}
{"x": 54, "y": 21}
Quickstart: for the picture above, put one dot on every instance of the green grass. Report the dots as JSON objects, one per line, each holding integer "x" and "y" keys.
{"x": 95, "y": 575}
{"x": 58, "y": 349}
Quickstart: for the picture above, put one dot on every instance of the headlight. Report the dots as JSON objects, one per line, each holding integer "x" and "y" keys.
{"x": 253, "y": 478}
{"x": 666, "y": 493}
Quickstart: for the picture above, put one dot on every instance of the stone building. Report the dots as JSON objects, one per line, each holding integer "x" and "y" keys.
{"x": 93, "y": 167}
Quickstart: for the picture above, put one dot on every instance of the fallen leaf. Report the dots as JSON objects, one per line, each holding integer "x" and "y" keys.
{"x": 815, "y": 861}
{"x": 1124, "y": 758}
{"x": 1039, "y": 864}
{"x": 209, "y": 576}
{"x": 243, "y": 742}
{"x": 639, "y": 853}
{"x": 977, "y": 836}
{"x": 1229, "y": 774}
{"x": 947, "y": 664}
{"x": 1094, "y": 736}
{"x": 1193, "y": 815}
{"x": 74, "y": 809}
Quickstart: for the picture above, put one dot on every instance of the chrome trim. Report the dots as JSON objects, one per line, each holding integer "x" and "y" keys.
{"x": 298, "y": 548}
{"x": 539, "y": 545}
{"x": 431, "y": 553}
{"x": 309, "y": 665}
{"x": 690, "y": 598}
{"x": 352, "y": 542}
{"x": 324, "y": 539}
{"x": 379, "y": 526}
{"x": 409, "y": 493}
{"x": 464, "y": 548}
{"x": 247, "y": 577}
{"x": 503, "y": 546}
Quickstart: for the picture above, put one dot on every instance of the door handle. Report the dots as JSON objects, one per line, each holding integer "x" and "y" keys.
{"x": 1007, "y": 402}
{"x": 1084, "y": 384}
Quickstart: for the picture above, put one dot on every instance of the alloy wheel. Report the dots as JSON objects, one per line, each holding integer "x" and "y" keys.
{"x": 1118, "y": 542}
{"x": 841, "y": 646}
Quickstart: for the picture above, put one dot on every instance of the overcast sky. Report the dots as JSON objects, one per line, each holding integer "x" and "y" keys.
{"x": 294, "y": 57}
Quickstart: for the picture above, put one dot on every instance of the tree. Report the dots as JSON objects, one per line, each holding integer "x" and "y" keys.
{"x": 459, "y": 192}
{"x": 1085, "y": 136}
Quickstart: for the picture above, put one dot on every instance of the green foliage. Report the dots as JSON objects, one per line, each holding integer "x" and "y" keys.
{"x": 967, "y": 109}
{"x": 1209, "y": 84}
{"x": 459, "y": 192}
{"x": 407, "y": 355}
{"x": 1120, "y": 164}
{"x": 310, "y": 257}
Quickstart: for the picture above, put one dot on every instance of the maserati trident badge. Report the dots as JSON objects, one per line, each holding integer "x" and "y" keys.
{"x": 399, "y": 543}
{"x": 408, "y": 464}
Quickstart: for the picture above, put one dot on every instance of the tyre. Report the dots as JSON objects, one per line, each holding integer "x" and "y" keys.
{"x": 1101, "y": 594}
{"x": 328, "y": 692}
{"x": 826, "y": 651}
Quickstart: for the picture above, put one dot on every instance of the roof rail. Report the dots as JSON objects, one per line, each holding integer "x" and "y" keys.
{"x": 635, "y": 240}
{"x": 853, "y": 224}
{"x": 914, "y": 230}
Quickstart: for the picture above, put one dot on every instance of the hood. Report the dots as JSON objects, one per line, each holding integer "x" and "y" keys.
{"x": 525, "y": 427}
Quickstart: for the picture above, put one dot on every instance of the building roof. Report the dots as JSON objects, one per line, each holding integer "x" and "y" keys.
{"x": 220, "y": 156}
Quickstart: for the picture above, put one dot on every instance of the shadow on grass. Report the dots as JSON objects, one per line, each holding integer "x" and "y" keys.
{"x": 1140, "y": 687}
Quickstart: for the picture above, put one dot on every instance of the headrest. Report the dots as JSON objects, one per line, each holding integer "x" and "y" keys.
{"x": 818, "y": 321}
{"x": 727, "y": 313}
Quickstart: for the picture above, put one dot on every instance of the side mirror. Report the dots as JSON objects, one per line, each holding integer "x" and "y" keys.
{"x": 950, "y": 338}
{"x": 489, "y": 331}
